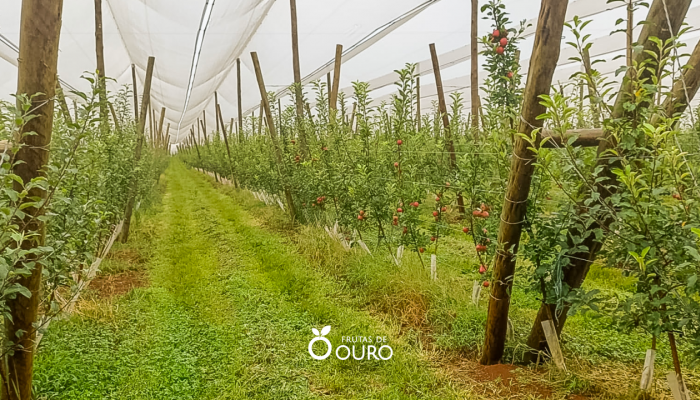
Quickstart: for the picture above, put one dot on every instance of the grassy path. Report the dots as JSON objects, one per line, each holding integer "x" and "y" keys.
{"x": 228, "y": 315}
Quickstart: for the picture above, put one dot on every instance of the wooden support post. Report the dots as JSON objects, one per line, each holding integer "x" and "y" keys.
{"x": 62, "y": 102}
{"x": 260, "y": 121}
{"x": 196, "y": 146}
{"x": 216, "y": 108}
{"x": 240, "y": 101}
{"x": 475, "y": 67}
{"x": 575, "y": 273}
{"x": 543, "y": 62}
{"x": 442, "y": 109}
{"x": 328, "y": 85}
{"x": 140, "y": 132}
{"x": 273, "y": 133}
{"x": 167, "y": 137}
{"x": 585, "y": 138}
{"x": 136, "y": 92}
{"x": 228, "y": 149}
{"x": 99, "y": 50}
{"x": 298, "y": 95}
{"x": 114, "y": 117}
{"x": 336, "y": 76}
{"x": 40, "y": 28}
{"x": 630, "y": 31}
{"x": 160, "y": 127}
{"x": 418, "y": 113}
{"x": 592, "y": 90}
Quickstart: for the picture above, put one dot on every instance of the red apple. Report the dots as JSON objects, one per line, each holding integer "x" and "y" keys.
{"x": 482, "y": 269}
{"x": 486, "y": 283}
{"x": 504, "y": 42}
{"x": 500, "y": 50}
{"x": 399, "y": 210}
{"x": 399, "y": 142}
{"x": 435, "y": 213}
{"x": 465, "y": 230}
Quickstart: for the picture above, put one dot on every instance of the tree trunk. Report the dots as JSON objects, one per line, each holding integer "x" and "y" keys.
{"x": 140, "y": 132}
{"x": 545, "y": 56}
{"x": 580, "y": 263}
{"x": 40, "y": 29}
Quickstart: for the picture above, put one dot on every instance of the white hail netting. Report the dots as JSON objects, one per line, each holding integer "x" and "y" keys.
{"x": 378, "y": 37}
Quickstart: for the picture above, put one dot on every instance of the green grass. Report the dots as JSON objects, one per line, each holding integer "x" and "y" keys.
{"x": 228, "y": 315}
{"x": 235, "y": 291}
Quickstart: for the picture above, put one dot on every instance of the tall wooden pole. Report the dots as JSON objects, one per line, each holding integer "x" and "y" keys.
{"x": 273, "y": 133}
{"x": 40, "y": 29}
{"x": 442, "y": 108}
{"x": 216, "y": 107}
{"x": 60, "y": 96}
{"x": 114, "y": 117}
{"x": 298, "y": 95}
{"x": 228, "y": 149}
{"x": 328, "y": 85}
{"x": 136, "y": 91}
{"x": 160, "y": 127}
{"x": 336, "y": 76}
{"x": 99, "y": 50}
{"x": 240, "y": 101}
{"x": 630, "y": 31}
{"x": 140, "y": 132}
{"x": 475, "y": 67}
{"x": 543, "y": 62}
{"x": 418, "y": 113}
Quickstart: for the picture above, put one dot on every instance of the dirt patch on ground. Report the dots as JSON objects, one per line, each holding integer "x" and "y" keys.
{"x": 500, "y": 381}
{"x": 108, "y": 286}
{"x": 126, "y": 255}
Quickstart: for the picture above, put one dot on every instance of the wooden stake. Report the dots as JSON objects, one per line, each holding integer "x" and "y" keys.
{"x": 228, "y": 149}
{"x": 475, "y": 67}
{"x": 40, "y": 28}
{"x": 160, "y": 126}
{"x": 216, "y": 107}
{"x": 62, "y": 102}
{"x": 336, "y": 77}
{"x": 273, "y": 132}
{"x": 592, "y": 90}
{"x": 630, "y": 31}
{"x": 136, "y": 91}
{"x": 114, "y": 117}
{"x": 140, "y": 132}
{"x": 240, "y": 101}
{"x": 442, "y": 108}
{"x": 99, "y": 51}
{"x": 328, "y": 85}
{"x": 545, "y": 56}
{"x": 298, "y": 95}
{"x": 418, "y": 113}
{"x": 260, "y": 121}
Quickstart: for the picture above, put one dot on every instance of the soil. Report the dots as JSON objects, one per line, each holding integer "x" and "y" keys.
{"x": 500, "y": 381}
{"x": 108, "y": 286}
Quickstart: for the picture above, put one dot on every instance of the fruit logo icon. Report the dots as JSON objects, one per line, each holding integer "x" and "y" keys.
{"x": 320, "y": 336}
